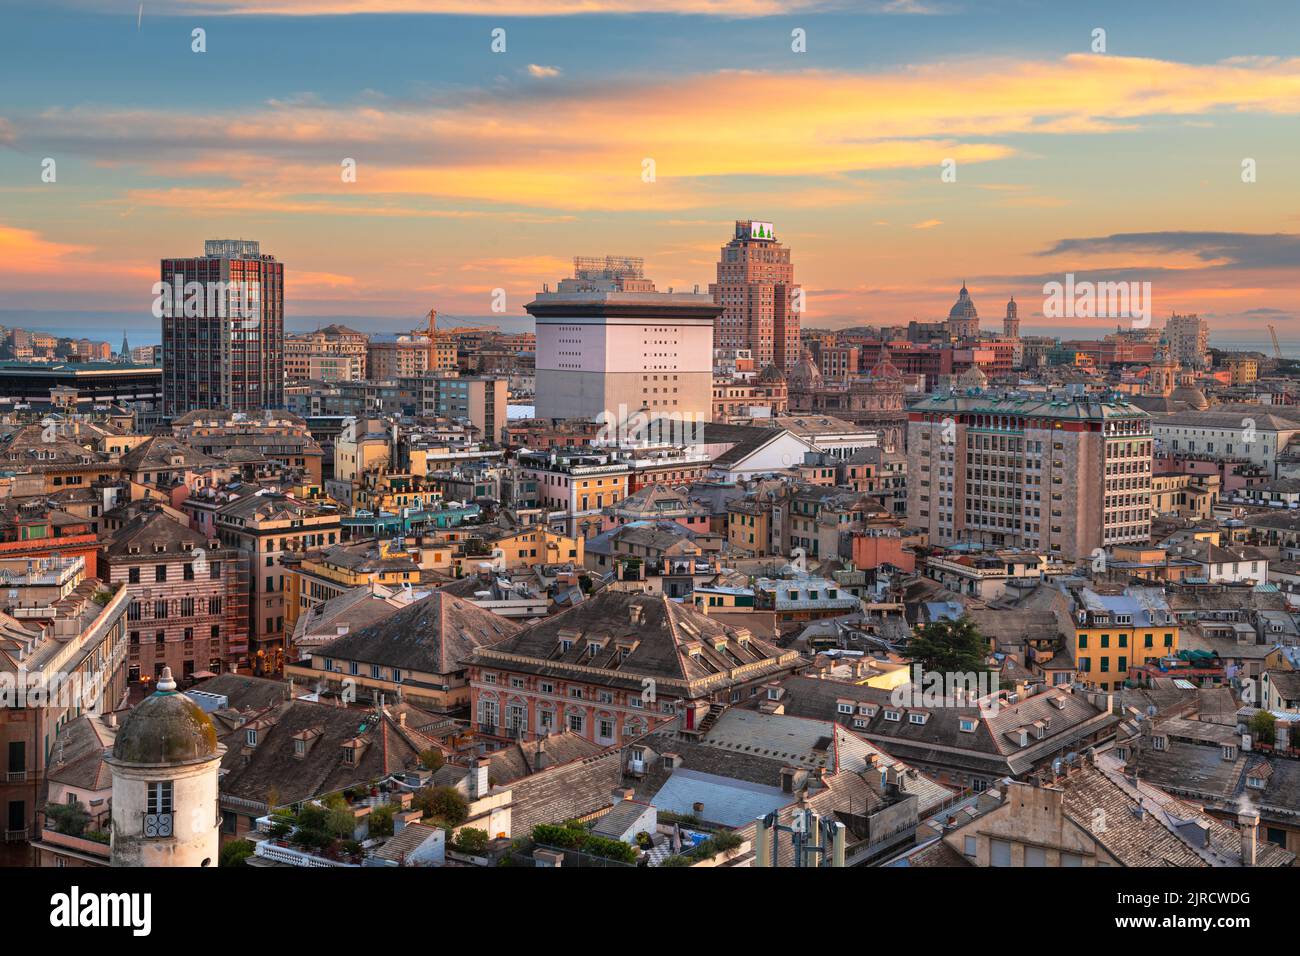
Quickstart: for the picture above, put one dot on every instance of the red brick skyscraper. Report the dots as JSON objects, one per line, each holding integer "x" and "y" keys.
{"x": 757, "y": 293}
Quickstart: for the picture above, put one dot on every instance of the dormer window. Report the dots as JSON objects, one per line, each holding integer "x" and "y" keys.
{"x": 1229, "y": 751}
{"x": 917, "y": 717}
{"x": 1255, "y": 783}
{"x": 250, "y": 736}
{"x": 349, "y": 756}
{"x": 845, "y": 707}
{"x": 893, "y": 715}
{"x": 299, "y": 747}
{"x": 967, "y": 725}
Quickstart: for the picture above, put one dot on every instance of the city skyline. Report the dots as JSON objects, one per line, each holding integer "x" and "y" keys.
{"x": 485, "y": 171}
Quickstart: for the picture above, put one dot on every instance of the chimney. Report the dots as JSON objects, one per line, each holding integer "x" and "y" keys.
{"x": 539, "y": 758}
{"x": 401, "y": 719}
{"x": 479, "y": 779}
{"x": 1248, "y": 821}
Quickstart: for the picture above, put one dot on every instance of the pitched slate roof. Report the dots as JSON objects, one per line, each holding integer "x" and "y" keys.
{"x": 634, "y": 636}
{"x": 273, "y": 767}
{"x": 991, "y": 747}
{"x": 77, "y": 758}
{"x": 149, "y": 530}
{"x": 436, "y": 635}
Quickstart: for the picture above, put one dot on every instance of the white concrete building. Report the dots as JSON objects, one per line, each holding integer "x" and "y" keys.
{"x": 609, "y": 345}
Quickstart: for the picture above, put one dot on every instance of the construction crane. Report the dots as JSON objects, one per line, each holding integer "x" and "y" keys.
{"x": 1277, "y": 349}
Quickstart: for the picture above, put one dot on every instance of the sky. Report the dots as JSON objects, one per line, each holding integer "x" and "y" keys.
{"x": 646, "y": 129}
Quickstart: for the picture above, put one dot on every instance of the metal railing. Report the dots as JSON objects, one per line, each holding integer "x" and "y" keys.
{"x": 157, "y": 825}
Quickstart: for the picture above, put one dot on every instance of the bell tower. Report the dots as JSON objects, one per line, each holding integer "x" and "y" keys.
{"x": 164, "y": 766}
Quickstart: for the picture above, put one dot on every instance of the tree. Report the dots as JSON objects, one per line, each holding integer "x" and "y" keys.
{"x": 381, "y": 819}
{"x": 432, "y": 759}
{"x": 472, "y": 841}
{"x": 69, "y": 818}
{"x": 444, "y": 803}
{"x": 1263, "y": 727}
{"x": 950, "y": 647}
{"x": 235, "y": 853}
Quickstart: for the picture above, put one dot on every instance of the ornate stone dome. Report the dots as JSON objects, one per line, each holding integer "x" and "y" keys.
{"x": 963, "y": 308}
{"x": 805, "y": 374}
{"x": 167, "y": 728}
{"x": 1191, "y": 396}
{"x": 771, "y": 375}
{"x": 884, "y": 367}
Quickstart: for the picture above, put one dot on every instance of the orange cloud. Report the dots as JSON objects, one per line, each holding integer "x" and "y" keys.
{"x": 23, "y": 251}
{"x": 596, "y": 149}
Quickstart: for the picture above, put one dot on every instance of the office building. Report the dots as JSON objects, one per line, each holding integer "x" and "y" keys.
{"x": 1062, "y": 476}
{"x": 223, "y": 329}
{"x": 759, "y": 298}
{"x": 609, "y": 344}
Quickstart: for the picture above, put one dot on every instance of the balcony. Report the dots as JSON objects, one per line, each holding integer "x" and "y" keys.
{"x": 280, "y": 853}
{"x": 157, "y": 826}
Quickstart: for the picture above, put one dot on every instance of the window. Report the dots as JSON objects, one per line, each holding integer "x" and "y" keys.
{"x": 160, "y": 572}
{"x": 250, "y": 737}
{"x": 972, "y": 845}
{"x": 133, "y": 576}
{"x": 967, "y": 725}
{"x": 892, "y": 715}
{"x": 845, "y": 708}
{"x": 999, "y": 853}
{"x": 299, "y": 747}
{"x": 158, "y": 797}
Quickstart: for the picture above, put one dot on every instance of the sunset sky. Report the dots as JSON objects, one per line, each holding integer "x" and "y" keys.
{"x": 478, "y": 170}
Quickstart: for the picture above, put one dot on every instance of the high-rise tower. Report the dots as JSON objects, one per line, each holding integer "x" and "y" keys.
{"x": 760, "y": 301}
{"x": 223, "y": 329}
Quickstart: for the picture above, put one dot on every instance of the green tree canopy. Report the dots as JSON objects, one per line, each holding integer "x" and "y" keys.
{"x": 443, "y": 803}
{"x": 1263, "y": 727}
{"x": 950, "y": 647}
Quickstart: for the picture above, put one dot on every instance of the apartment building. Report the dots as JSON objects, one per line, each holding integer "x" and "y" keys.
{"x": 332, "y": 354}
{"x": 64, "y": 631}
{"x": 265, "y": 525}
{"x": 189, "y": 600}
{"x": 1063, "y": 476}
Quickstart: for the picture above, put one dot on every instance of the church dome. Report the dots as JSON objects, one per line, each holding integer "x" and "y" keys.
{"x": 166, "y": 728}
{"x": 805, "y": 374}
{"x": 884, "y": 367}
{"x": 771, "y": 375}
{"x": 963, "y": 308}
{"x": 1191, "y": 396}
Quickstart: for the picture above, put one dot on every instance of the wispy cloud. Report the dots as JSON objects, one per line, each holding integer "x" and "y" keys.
{"x": 518, "y": 8}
